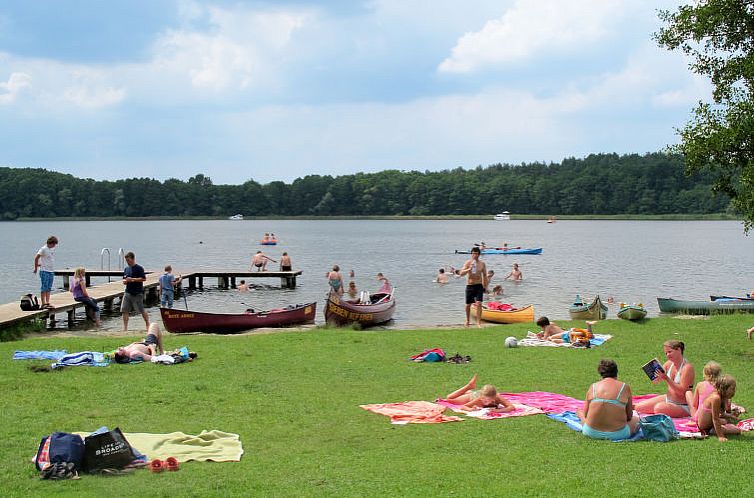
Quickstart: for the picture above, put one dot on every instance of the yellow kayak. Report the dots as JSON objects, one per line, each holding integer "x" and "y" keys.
{"x": 518, "y": 315}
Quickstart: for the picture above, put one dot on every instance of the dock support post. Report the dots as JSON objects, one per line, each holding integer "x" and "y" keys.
{"x": 233, "y": 282}
{"x": 51, "y": 317}
{"x": 201, "y": 282}
{"x": 192, "y": 282}
{"x": 67, "y": 281}
{"x": 88, "y": 279}
{"x": 71, "y": 316}
{"x": 288, "y": 282}
{"x": 108, "y": 303}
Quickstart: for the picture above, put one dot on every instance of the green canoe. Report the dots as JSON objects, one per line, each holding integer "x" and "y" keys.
{"x": 668, "y": 305}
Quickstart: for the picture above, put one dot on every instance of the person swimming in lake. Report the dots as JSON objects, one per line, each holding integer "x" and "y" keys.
{"x": 442, "y": 277}
{"x": 469, "y": 399}
{"x": 515, "y": 273}
{"x": 352, "y": 291}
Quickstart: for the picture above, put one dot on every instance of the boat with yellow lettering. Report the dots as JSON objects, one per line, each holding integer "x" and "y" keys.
{"x": 178, "y": 321}
{"x": 377, "y": 308}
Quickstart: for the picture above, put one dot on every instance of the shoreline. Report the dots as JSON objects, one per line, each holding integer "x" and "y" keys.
{"x": 514, "y": 217}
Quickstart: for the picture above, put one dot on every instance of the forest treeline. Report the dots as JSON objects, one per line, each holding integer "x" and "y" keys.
{"x": 598, "y": 184}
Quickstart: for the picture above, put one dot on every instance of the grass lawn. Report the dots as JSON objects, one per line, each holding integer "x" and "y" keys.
{"x": 293, "y": 397}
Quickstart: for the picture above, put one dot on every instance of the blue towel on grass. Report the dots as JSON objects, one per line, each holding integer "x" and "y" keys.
{"x": 82, "y": 359}
{"x": 40, "y": 355}
{"x": 572, "y": 421}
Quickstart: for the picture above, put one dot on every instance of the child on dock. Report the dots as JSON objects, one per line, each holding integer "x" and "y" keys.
{"x": 167, "y": 287}
{"x": 78, "y": 289}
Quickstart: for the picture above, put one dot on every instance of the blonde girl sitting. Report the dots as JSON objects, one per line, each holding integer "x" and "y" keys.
{"x": 709, "y": 417}
{"x": 471, "y": 400}
{"x": 712, "y": 372}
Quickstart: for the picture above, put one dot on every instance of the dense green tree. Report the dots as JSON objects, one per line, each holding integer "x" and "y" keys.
{"x": 718, "y": 35}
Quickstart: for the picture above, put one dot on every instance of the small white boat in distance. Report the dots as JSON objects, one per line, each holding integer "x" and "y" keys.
{"x": 236, "y": 217}
{"x": 504, "y": 216}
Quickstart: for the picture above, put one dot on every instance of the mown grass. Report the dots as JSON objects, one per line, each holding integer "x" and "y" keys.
{"x": 293, "y": 397}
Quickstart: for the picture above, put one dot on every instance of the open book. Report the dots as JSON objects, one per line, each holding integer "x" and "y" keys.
{"x": 651, "y": 368}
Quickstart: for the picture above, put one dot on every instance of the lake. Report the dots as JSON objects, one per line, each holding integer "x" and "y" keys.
{"x": 633, "y": 261}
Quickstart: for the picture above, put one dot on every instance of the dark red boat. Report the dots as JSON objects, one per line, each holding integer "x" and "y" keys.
{"x": 339, "y": 311}
{"x": 178, "y": 321}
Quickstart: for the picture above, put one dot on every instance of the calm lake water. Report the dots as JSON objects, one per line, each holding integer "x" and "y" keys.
{"x": 634, "y": 261}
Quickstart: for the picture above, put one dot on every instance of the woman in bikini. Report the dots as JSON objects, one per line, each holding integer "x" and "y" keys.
{"x": 335, "y": 280}
{"x": 608, "y": 411}
{"x": 679, "y": 375}
{"x": 470, "y": 399}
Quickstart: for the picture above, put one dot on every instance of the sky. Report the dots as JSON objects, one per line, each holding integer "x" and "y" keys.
{"x": 275, "y": 90}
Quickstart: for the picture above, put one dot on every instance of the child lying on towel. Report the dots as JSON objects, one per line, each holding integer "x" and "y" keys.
{"x": 553, "y": 333}
{"x": 471, "y": 400}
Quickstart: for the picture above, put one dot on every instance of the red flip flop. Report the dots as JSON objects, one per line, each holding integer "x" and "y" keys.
{"x": 156, "y": 465}
{"x": 172, "y": 464}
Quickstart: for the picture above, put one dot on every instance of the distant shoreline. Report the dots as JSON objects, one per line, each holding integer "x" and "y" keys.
{"x": 514, "y": 217}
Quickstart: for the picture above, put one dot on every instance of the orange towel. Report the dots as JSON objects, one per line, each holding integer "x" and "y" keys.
{"x": 412, "y": 412}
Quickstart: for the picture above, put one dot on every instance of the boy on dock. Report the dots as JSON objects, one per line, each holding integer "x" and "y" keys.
{"x": 167, "y": 287}
{"x": 44, "y": 261}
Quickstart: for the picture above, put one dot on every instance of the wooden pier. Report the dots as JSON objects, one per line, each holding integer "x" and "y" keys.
{"x": 106, "y": 293}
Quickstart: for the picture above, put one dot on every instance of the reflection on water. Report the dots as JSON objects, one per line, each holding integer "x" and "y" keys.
{"x": 634, "y": 261}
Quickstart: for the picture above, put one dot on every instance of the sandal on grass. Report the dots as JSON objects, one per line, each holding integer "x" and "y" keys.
{"x": 172, "y": 464}
{"x": 156, "y": 465}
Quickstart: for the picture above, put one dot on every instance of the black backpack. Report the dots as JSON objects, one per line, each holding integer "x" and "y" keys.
{"x": 29, "y": 302}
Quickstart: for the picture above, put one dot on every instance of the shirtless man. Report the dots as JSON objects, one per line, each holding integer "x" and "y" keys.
{"x": 145, "y": 350}
{"x": 515, "y": 273}
{"x": 476, "y": 284}
{"x": 285, "y": 262}
{"x": 442, "y": 277}
{"x": 553, "y": 333}
{"x": 260, "y": 261}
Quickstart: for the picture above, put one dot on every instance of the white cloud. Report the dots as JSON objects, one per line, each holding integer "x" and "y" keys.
{"x": 240, "y": 48}
{"x": 530, "y": 27}
{"x": 10, "y": 90}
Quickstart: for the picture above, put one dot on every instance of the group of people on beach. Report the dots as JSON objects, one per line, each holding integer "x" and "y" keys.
{"x": 609, "y": 413}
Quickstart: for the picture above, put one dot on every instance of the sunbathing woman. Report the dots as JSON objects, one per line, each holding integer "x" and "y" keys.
{"x": 553, "y": 333}
{"x": 470, "y": 399}
{"x": 142, "y": 351}
{"x": 608, "y": 408}
{"x": 709, "y": 417}
{"x": 679, "y": 375}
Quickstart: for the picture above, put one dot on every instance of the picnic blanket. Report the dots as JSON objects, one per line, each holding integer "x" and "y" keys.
{"x": 531, "y": 339}
{"x": 486, "y": 413}
{"x": 214, "y": 445}
{"x": 412, "y": 412}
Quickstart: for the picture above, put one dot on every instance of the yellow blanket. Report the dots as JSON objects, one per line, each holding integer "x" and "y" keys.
{"x": 214, "y": 445}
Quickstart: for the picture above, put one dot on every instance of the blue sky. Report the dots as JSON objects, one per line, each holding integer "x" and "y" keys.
{"x": 268, "y": 91}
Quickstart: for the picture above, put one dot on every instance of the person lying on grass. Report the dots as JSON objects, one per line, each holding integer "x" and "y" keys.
{"x": 608, "y": 411}
{"x": 679, "y": 376}
{"x": 710, "y": 417}
{"x": 471, "y": 400}
{"x": 553, "y": 333}
{"x": 144, "y": 350}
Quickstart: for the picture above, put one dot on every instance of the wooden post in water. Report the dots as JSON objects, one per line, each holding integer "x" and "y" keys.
{"x": 233, "y": 282}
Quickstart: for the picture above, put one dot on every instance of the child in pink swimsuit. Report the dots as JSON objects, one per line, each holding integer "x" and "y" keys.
{"x": 709, "y": 417}
{"x": 712, "y": 372}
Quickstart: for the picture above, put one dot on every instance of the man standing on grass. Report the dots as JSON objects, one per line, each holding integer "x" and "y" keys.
{"x": 476, "y": 284}
{"x": 44, "y": 261}
{"x": 133, "y": 298}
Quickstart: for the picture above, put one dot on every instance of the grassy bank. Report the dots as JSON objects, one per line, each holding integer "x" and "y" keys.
{"x": 645, "y": 217}
{"x": 293, "y": 397}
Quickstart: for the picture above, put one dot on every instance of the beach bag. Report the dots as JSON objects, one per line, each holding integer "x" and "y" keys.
{"x": 658, "y": 427}
{"x": 29, "y": 302}
{"x": 107, "y": 450}
{"x": 60, "y": 447}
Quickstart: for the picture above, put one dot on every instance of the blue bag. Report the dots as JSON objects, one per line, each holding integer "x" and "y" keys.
{"x": 658, "y": 427}
{"x": 60, "y": 447}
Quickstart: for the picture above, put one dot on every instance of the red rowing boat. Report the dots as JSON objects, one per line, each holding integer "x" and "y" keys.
{"x": 178, "y": 321}
{"x": 339, "y": 311}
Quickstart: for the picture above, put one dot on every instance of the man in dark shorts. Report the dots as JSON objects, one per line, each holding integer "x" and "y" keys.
{"x": 144, "y": 350}
{"x": 476, "y": 284}
{"x": 133, "y": 298}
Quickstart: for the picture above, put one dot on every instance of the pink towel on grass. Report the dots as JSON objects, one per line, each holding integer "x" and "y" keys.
{"x": 412, "y": 412}
{"x": 555, "y": 403}
{"x": 485, "y": 414}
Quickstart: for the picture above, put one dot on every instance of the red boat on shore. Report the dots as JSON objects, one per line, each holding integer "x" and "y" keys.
{"x": 339, "y": 311}
{"x": 179, "y": 321}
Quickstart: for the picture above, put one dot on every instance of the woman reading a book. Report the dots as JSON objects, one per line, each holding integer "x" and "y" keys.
{"x": 679, "y": 376}
{"x": 608, "y": 411}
